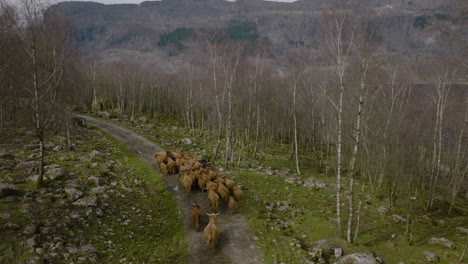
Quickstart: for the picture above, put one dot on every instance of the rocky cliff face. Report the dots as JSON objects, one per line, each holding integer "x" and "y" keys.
{"x": 164, "y": 29}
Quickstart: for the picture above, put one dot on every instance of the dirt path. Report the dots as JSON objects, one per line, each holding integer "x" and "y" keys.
{"x": 235, "y": 243}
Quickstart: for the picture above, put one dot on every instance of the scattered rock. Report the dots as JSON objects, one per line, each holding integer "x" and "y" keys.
{"x": 431, "y": 256}
{"x": 442, "y": 242}
{"x": 462, "y": 229}
{"x": 9, "y": 190}
{"x": 358, "y": 258}
{"x": 12, "y": 226}
{"x": 103, "y": 114}
{"x": 31, "y": 229}
{"x": 399, "y": 219}
{"x": 47, "y": 230}
{"x": 57, "y": 148}
{"x": 73, "y": 183}
{"x": 74, "y": 215}
{"x": 324, "y": 245}
{"x": 269, "y": 172}
{"x": 336, "y": 251}
{"x": 73, "y": 194}
{"x": 94, "y": 180}
{"x": 53, "y": 172}
{"x": 31, "y": 243}
{"x": 312, "y": 183}
{"x": 186, "y": 141}
{"x": 72, "y": 250}
{"x": 143, "y": 119}
{"x": 5, "y": 216}
{"x": 283, "y": 206}
{"x": 28, "y": 166}
{"x": 294, "y": 180}
{"x": 33, "y": 178}
{"x": 90, "y": 201}
{"x": 49, "y": 146}
{"x": 283, "y": 172}
{"x": 93, "y": 155}
{"x": 34, "y": 156}
{"x": 64, "y": 158}
{"x": 28, "y": 206}
{"x": 99, "y": 212}
{"x": 16, "y": 178}
{"x": 32, "y": 146}
{"x": 87, "y": 249}
{"x": 316, "y": 255}
{"x": 382, "y": 209}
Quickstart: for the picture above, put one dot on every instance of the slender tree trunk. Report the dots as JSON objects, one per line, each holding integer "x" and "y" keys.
{"x": 228, "y": 128}
{"x": 358, "y": 212}
{"x": 338, "y": 154}
{"x": 357, "y": 138}
{"x": 457, "y": 170}
{"x": 132, "y": 118}
{"x": 296, "y": 147}
{"x": 67, "y": 125}
{"x": 443, "y": 89}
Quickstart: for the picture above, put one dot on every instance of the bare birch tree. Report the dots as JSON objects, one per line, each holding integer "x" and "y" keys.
{"x": 42, "y": 43}
{"x": 338, "y": 27}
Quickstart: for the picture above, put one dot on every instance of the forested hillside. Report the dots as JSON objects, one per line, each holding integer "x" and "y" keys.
{"x": 343, "y": 122}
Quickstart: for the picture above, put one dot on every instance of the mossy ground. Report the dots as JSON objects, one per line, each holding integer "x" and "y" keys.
{"x": 287, "y": 233}
{"x": 141, "y": 222}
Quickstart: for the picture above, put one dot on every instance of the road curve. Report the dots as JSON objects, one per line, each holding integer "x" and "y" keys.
{"x": 235, "y": 243}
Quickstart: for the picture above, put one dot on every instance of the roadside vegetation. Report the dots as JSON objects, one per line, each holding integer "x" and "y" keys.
{"x": 291, "y": 216}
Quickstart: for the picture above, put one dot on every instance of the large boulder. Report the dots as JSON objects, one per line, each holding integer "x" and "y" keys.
{"x": 358, "y": 258}
{"x": 9, "y": 190}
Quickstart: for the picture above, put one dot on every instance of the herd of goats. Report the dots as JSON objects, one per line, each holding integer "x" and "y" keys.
{"x": 193, "y": 172}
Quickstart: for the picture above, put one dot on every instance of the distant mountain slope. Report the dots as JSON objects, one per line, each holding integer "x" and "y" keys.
{"x": 162, "y": 30}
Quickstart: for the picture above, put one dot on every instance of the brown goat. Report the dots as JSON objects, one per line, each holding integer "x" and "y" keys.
{"x": 211, "y": 185}
{"x": 160, "y": 156}
{"x": 232, "y": 205}
{"x": 196, "y": 214}
{"x": 230, "y": 184}
{"x": 202, "y": 182}
{"x": 186, "y": 182}
{"x": 211, "y": 231}
{"x": 223, "y": 191}
{"x": 171, "y": 166}
{"x": 213, "y": 197}
{"x": 238, "y": 194}
{"x": 163, "y": 168}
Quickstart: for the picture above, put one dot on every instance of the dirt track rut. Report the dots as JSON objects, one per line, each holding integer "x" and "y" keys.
{"x": 235, "y": 243}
